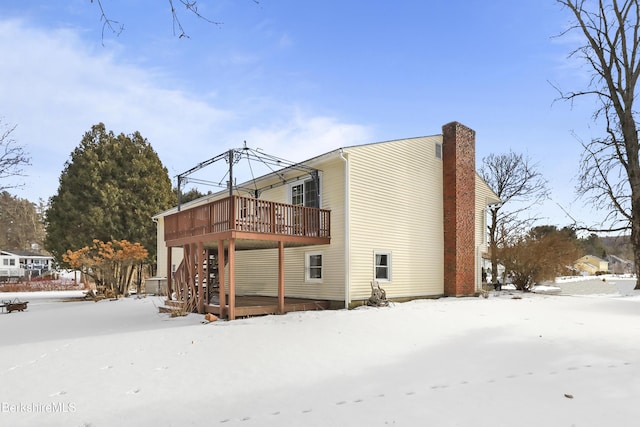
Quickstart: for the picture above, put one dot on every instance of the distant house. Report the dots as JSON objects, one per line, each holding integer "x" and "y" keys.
{"x": 590, "y": 265}
{"x": 407, "y": 214}
{"x": 619, "y": 265}
{"x": 19, "y": 264}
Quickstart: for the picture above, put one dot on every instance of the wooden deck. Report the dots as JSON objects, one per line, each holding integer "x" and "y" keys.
{"x": 260, "y": 305}
{"x": 235, "y": 223}
{"x": 254, "y": 222}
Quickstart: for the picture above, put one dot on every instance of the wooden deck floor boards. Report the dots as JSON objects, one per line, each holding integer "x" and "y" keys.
{"x": 260, "y": 305}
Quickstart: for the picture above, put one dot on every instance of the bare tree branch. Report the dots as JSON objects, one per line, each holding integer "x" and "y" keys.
{"x": 515, "y": 179}
{"x": 114, "y": 26}
{"x": 609, "y": 174}
{"x": 191, "y": 6}
{"x": 12, "y": 157}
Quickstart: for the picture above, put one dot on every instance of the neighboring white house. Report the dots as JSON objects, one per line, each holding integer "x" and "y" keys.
{"x": 409, "y": 214}
{"x": 17, "y": 264}
{"x": 619, "y": 265}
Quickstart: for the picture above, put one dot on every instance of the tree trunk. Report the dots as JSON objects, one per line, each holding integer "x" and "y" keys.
{"x": 635, "y": 240}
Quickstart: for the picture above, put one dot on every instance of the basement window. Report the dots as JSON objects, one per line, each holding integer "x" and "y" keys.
{"x": 313, "y": 267}
{"x": 382, "y": 266}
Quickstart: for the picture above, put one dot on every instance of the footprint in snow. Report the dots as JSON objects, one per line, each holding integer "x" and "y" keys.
{"x": 58, "y": 393}
{"x": 106, "y": 367}
{"x": 134, "y": 391}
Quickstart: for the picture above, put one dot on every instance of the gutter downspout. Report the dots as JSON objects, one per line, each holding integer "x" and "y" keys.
{"x": 347, "y": 236}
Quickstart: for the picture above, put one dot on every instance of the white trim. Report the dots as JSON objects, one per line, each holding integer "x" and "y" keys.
{"x": 347, "y": 233}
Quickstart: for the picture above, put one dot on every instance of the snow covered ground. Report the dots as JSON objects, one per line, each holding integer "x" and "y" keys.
{"x": 507, "y": 360}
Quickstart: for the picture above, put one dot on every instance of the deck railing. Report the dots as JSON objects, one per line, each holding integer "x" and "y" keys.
{"x": 247, "y": 214}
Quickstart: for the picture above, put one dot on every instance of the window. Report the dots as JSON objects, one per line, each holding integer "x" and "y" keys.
{"x": 382, "y": 266}
{"x": 313, "y": 267}
{"x": 306, "y": 193}
{"x": 438, "y": 150}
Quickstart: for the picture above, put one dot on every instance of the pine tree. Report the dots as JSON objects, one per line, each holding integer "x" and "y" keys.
{"x": 109, "y": 190}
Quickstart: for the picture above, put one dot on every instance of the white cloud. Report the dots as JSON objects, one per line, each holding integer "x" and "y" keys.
{"x": 303, "y": 136}
{"x": 55, "y": 87}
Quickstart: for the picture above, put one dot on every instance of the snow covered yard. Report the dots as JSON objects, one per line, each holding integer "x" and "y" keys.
{"x": 538, "y": 360}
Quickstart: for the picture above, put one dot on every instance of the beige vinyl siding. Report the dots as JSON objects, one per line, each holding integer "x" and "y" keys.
{"x": 484, "y": 196}
{"x": 161, "y": 248}
{"x": 257, "y": 271}
{"x": 396, "y": 207}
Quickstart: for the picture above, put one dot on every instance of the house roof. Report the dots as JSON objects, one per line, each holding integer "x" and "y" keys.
{"x": 590, "y": 257}
{"x": 313, "y": 160}
{"x": 25, "y": 254}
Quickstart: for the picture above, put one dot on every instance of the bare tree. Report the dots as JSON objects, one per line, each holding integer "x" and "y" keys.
{"x": 12, "y": 157}
{"x": 190, "y": 6}
{"x": 542, "y": 254}
{"x": 610, "y": 168}
{"x": 21, "y": 223}
{"x": 517, "y": 182}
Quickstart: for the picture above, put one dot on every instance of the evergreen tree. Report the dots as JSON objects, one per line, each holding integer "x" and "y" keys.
{"x": 21, "y": 224}
{"x": 109, "y": 190}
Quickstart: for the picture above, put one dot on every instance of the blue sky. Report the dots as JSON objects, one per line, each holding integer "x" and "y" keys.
{"x": 295, "y": 79}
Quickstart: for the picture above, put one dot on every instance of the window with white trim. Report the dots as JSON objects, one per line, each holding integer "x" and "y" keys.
{"x": 382, "y": 266}
{"x": 313, "y": 267}
{"x": 438, "y": 150}
{"x": 305, "y": 192}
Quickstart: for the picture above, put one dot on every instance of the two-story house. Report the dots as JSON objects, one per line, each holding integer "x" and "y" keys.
{"x": 409, "y": 214}
{"x": 591, "y": 264}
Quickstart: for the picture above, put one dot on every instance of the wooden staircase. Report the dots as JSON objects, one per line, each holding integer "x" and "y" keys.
{"x": 186, "y": 298}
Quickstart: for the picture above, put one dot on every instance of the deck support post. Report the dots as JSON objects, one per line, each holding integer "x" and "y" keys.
{"x": 200, "y": 260}
{"x": 169, "y": 273}
{"x": 280, "y": 277}
{"x": 222, "y": 296}
{"x": 232, "y": 279}
{"x": 190, "y": 295}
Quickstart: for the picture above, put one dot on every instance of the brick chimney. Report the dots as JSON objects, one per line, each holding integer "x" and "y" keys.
{"x": 459, "y": 177}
